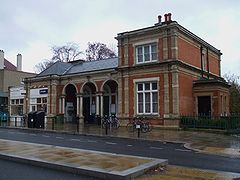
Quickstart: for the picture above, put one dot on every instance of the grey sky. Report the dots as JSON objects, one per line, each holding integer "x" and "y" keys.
{"x": 31, "y": 27}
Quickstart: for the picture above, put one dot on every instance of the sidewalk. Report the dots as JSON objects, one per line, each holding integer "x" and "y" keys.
{"x": 91, "y": 163}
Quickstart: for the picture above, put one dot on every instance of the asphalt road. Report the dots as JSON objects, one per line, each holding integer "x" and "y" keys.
{"x": 175, "y": 153}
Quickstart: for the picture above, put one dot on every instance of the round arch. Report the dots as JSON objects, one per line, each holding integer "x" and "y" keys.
{"x": 88, "y": 91}
{"x": 110, "y": 97}
{"x": 86, "y": 83}
{"x": 64, "y": 88}
{"x": 70, "y": 113}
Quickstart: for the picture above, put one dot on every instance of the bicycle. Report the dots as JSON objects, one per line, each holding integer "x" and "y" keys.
{"x": 145, "y": 126}
{"x": 111, "y": 121}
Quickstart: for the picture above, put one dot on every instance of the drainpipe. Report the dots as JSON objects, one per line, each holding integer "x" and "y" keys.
{"x": 207, "y": 65}
{"x": 201, "y": 50}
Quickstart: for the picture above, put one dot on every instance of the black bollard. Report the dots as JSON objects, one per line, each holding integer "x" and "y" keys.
{"x": 138, "y": 128}
{"x": 15, "y": 121}
{"x": 77, "y": 124}
{"x": 106, "y": 128}
{"x": 53, "y": 119}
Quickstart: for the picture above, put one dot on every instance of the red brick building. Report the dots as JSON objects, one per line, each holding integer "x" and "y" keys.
{"x": 162, "y": 72}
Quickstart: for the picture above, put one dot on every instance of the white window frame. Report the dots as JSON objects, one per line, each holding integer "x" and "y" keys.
{"x": 143, "y": 53}
{"x": 143, "y": 91}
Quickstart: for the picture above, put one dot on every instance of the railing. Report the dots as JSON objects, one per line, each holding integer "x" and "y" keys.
{"x": 231, "y": 122}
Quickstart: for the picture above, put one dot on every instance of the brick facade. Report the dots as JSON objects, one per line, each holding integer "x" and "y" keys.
{"x": 182, "y": 65}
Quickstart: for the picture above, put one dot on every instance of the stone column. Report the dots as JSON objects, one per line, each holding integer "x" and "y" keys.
{"x": 60, "y": 105}
{"x": 119, "y": 100}
{"x": 165, "y": 45}
{"x": 53, "y": 97}
{"x": 81, "y": 118}
{"x": 174, "y": 45}
{"x": 101, "y": 105}
{"x": 126, "y": 41}
{"x": 63, "y": 104}
{"x": 175, "y": 91}
{"x": 166, "y": 95}
{"x": 126, "y": 96}
{"x": 97, "y": 104}
{"x": 77, "y": 105}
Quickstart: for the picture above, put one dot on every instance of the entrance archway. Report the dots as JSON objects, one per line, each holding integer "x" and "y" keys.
{"x": 110, "y": 98}
{"x": 70, "y": 104}
{"x": 89, "y": 103}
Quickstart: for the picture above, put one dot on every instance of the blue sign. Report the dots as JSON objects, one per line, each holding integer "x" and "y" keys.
{"x": 43, "y": 91}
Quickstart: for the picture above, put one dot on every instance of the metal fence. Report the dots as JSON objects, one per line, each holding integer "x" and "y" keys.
{"x": 231, "y": 122}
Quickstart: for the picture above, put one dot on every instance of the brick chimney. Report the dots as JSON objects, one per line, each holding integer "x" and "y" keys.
{"x": 19, "y": 62}
{"x": 1, "y": 59}
{"x": 168, "y": 18}
{"x": 159, "y": 20}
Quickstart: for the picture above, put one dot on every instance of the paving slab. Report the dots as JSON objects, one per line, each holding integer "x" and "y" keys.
{"x": 92, "y": 163}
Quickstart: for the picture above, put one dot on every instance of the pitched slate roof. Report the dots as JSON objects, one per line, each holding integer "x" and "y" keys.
{"x": 75, "y": 67}
{"x": 88, "y": 66}
{"x": 58, "y": 68}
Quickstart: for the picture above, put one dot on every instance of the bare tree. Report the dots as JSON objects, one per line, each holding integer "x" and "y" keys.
{"x": 65, "y": 53}
{"x": 98, "y": 51}
{"x": 234, "y": 101}
{"x": 43, "y": 65}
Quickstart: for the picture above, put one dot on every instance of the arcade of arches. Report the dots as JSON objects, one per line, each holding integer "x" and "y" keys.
{"x": 88, "y": 102}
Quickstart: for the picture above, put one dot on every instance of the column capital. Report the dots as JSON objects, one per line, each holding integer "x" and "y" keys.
{"x": 62, "y": 96}
{"x": 79, "y": 94}
{"x": 99, "y": 93}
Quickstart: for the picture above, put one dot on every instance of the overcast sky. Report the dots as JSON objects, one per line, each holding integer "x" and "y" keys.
{"x": 31, "y": 27}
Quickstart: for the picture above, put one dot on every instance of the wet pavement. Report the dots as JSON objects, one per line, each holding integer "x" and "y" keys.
{"x": 98, "y": 164}
{"x": 205, "y": 142}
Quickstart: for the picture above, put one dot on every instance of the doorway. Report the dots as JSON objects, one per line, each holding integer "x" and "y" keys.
{"x": 204, "y": 105}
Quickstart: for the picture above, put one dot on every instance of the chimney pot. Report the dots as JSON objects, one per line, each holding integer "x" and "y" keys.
{"x": 1, "y": 59}
{"x": 166, "y": 16}
{"x": 169, "y": 17}
{"x": 159, "y": 19}
{"x": 19, "y": 62}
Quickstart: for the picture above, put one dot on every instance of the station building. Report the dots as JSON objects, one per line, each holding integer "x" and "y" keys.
{"x": 162, "y": 72}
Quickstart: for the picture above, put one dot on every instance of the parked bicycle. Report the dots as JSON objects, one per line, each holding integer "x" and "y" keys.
{"x": 145, "y": 125}
{"x": 110, "y": 121}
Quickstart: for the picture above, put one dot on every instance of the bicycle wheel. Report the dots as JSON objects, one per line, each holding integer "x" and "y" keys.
{"x": 116, "y": 123}
{"x": 104, "y": 124}
{"x": 150, "y": 127}
{"x": 130, "y": 127}
{"x": 144, "y": 127}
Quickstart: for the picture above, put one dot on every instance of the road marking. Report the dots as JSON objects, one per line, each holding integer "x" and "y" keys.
{"x": 112, "y": 143}
{"x": 91, "y": 141}
{"x": 155, "y": 147}
{"x": 11, "y": 132}
{"x": 183, "y": 150}
{"x": 129, "y": 145}
{"x": 59, "y": 137}
{"x": 45, "y": 136}
{"x": 76, "y": 140}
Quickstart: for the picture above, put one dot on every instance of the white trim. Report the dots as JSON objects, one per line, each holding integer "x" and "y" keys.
{"x": 143, "y": 80}
{"x": 142, "y": 47}
{"x": 139, "y": 43}
{"x": 143, "y": 91}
